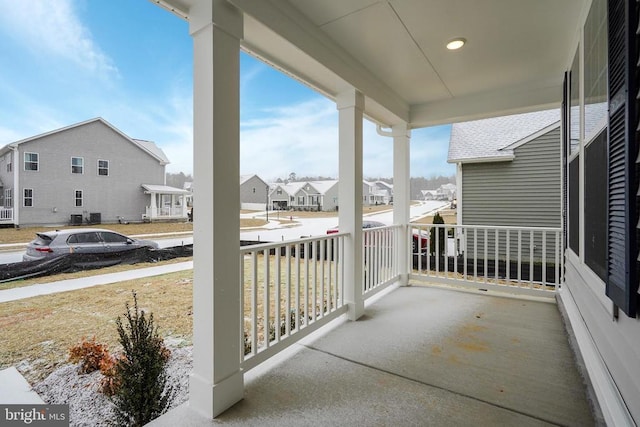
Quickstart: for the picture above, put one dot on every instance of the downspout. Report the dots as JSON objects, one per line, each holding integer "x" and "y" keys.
{"x": 16, "y": 183}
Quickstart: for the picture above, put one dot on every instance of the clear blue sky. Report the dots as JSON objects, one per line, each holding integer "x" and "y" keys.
{"x": 130, "y": 62}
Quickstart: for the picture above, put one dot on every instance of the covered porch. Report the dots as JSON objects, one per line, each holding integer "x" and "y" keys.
{"x": 386, "y": 61}
{"x": 165, "y": 203}
{"x": 421, "y": 356}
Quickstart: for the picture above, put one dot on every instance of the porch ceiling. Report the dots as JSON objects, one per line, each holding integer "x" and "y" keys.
{"x": 394, "y": 52}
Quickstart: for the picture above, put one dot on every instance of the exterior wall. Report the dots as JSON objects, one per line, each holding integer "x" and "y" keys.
{"x": 617, "y": 341}
{"x": 330, "y": 199}
{"x": 525, "y": 192}
{"x": 522, "y": 192}
{"x": 253, "y": 191}
{"x": 118, "y": 194}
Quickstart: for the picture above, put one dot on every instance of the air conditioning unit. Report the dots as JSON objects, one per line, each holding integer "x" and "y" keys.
{"x": 76, "y": 219}
{"x": 95, "y": 218}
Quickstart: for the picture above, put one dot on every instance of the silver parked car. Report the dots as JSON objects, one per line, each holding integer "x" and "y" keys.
{"x": 81, "y": 240}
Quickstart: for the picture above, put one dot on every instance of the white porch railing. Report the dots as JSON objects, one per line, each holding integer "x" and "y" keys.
{"x": 522, "y": 259}
{"x": 289, "y": 290}
{"x": 381, "y": 265}
{"x": 6, "y": 214}
{"x": 165, "y": 212}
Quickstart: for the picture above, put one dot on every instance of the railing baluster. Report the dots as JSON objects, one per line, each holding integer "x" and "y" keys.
{"x": 531, "y": 249}
{"x": 507, "y": 261}
{"x": 330, "y": 244}
{"x": 314, "y": 280}
{"x": 242, "y": 314}
{"x": 323, "y": 260}
{"x": 519, "y": 257}
{"x": 287, "y": 255}
{"x": 277, "y": 282}
{"x": 265, "y": 301}
{"x": 297, "y": 290}
{"x": 475, "y": 254}
{"x": 254, "y": 303}
{"x": 307, "y": 250}
{"x": 465, "y": 251}
{"x": 544, "y": 258}
{"x": 497, "y": 254}
{"x": 557, "y": 259}
{"x": 486, "y": 253}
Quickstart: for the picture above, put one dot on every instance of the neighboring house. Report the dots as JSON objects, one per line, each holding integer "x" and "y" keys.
{"x": 508, "y": 170}
{"x": 305, "y": 195}
{"x": 376, "y": 193}
{"x": 446, "y": 192}
{"x": 429, "y": 194}
{"x": 87, "y": 172}
{"x": 254, "y": 193}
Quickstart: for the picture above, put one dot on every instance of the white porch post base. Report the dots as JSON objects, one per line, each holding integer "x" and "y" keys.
{"x": 218, "y": 397}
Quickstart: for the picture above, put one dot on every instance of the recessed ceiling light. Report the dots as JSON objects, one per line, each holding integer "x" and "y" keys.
{"x": 456, "y": 43}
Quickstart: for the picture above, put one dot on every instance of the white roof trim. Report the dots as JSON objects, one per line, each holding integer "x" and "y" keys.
{"x": 506, "y": 158}
{"x": 96, "y": 119}
{"x": 531, "y": 137}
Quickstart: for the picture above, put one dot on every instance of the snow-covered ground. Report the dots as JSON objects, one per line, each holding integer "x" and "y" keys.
{"x": 88, "y": 406}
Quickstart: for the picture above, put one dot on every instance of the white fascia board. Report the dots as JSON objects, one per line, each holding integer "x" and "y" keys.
{"x": 484, "y": 159}
{"x": 531, "y": 137}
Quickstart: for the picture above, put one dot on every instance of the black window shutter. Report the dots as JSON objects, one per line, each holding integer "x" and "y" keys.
{"x": 622, "y": 153}
{"x": 564, "y": 140}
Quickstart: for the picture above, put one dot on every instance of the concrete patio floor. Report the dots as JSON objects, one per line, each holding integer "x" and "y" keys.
{"x": 421, "y": 356}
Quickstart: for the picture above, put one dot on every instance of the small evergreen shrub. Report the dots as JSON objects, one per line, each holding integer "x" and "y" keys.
{"x": 90, "y": 354}
{"x": 142, "y": 393}
{"x": 442, "y": 241}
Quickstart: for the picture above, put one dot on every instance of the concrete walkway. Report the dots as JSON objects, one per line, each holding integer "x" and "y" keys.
{"x": 86, "y": 282}
{"x": 421, "y": 357}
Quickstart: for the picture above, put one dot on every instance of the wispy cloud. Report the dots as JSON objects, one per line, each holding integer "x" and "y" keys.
{"x": 54, "y": 28}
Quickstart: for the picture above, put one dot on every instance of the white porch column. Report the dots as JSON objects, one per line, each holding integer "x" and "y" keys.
{"x": 153, "y": 205}
{"x": 216, "y": 382}
{"x": 401, "y": 194}
{"x": 350, "y": 106}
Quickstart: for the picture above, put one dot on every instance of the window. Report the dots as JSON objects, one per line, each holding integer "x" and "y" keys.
{"x": 77, "y": 165}
{"x": 31, "y": 161}
{"x": 103, "y": 167}
{"x": 254, "y": 190}
{"x": 78, "y": 198}
{"x": 8, "y": 198}
{"x": 9, "y": 167}
{"x": 595, "y": 202}
{"x": 279, "y": 191}
{"x": 301, "y": 200}
{"x": 114, "y": 238}
{"x": 28, "y": 197}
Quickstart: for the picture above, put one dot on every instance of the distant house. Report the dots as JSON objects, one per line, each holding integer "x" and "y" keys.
{"x": 254, "y": 193}
{"x": 508, "y": 170}
{"x": 376, "y": 193}
{"x": 429, "y": 194}
{"x": 305, "y": 195}
{"x": 89, "y": 172}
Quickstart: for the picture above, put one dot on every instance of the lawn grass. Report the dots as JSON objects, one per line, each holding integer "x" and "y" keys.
{"x": 36, "y": 333}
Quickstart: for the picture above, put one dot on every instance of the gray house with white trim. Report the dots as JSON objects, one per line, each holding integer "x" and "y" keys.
{"x": 89, "y": 172}
{"x": 508, "y": 170}
{"x": 254, "y": 192}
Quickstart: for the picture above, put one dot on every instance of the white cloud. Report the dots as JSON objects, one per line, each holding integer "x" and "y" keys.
{"x": 54, "y": 28}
